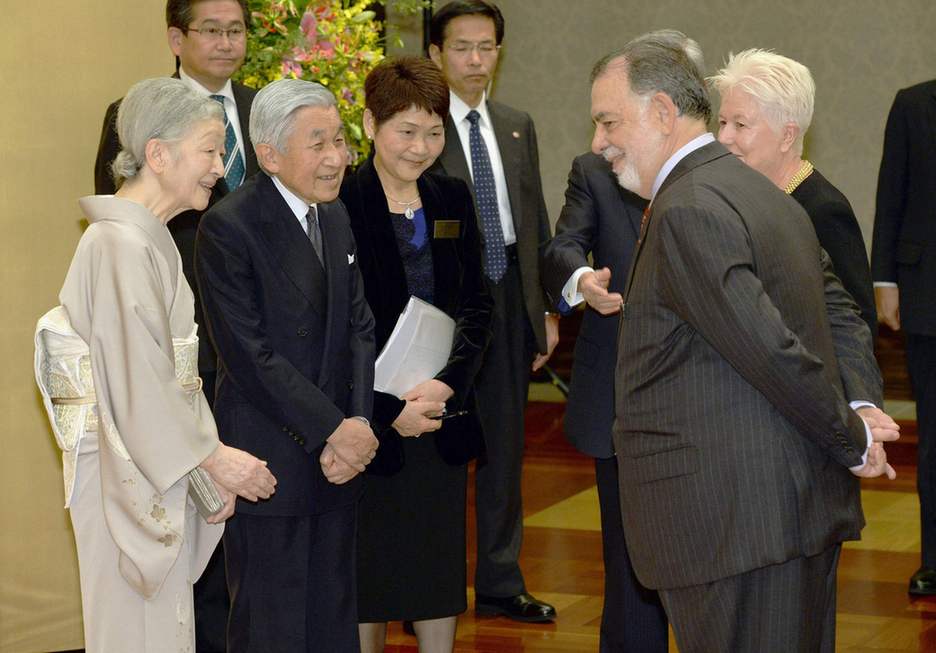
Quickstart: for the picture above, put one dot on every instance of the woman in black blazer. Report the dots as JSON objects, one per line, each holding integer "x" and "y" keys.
{"x": 766, "y": 108}
{"x": 416, "y": 234}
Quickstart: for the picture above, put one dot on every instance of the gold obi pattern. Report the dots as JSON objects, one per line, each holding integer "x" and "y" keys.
{"x": 63, "y": 373}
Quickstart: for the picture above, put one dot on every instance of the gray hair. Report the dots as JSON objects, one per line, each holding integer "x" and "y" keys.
{"x": 163, "y": 108}
{"x": 783, "y": 88}
{"x": 653, "y": 66}
{"x": 673, "y": 38}
{"x": 273, "y": 111}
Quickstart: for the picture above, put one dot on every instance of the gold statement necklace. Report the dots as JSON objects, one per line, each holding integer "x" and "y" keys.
{"x": 804, "y": 171}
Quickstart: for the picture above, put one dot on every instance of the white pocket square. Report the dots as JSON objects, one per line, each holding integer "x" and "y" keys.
{"x": 350, "y": 259}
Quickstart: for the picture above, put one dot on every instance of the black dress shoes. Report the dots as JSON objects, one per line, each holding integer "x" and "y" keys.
{"x": 923, "y": 582}
{"x": 521, "y": 607}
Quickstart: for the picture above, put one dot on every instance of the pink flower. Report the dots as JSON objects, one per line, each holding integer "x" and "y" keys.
{"x": 309, "y": 27}
{"x": 291, "y": 68}
{"x": 347, "y": 94}
{"x": 327, "y": 49}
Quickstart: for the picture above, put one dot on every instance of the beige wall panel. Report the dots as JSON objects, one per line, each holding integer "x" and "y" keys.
{"x": 61, "y": 63}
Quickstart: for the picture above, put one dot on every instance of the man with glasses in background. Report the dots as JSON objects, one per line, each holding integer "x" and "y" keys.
{"x": 493, "y": 148}
{"x": 208, "y": 39}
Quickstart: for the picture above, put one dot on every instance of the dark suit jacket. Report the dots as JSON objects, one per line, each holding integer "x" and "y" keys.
{"x": 903, "y": 249}
{"x": 733, "y": 433}
{"x": 516, "y": 140}
{"x": 184, "y": 226}
{"x": 601, "y": 218}
{"x": 840, "y": 236}
{"x": 459, "y": 291}
{"x": 295, "y": 343}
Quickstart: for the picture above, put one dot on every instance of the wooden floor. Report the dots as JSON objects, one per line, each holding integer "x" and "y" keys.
{"x": 561, "y": 559}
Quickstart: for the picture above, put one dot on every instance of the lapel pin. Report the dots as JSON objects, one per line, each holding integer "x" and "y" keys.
{"x": 516, "y": 134}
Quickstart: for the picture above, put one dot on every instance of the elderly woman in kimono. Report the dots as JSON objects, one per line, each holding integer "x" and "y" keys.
{"x": 141, "y": 543}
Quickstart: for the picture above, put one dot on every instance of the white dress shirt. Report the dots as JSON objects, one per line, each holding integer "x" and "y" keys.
{"x": 297, "y": 205}
{"x": 230, "y": 107}
{"x": 458, "y": 110}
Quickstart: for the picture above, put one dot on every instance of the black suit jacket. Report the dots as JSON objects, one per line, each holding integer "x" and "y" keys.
{"x": 903, "y": 249}
{"x": 459, "y": 291}
{"x": 184, "y": 226}
{"x": 840, "y": 236}
{"x": 516, "y": 140}
{"x": 733, "y": 433}
{"x": 295, "y": 342}
{"x": 601, "y": 218}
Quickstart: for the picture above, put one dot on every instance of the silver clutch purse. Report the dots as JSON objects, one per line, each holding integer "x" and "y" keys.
{"x": 203, "y": 492}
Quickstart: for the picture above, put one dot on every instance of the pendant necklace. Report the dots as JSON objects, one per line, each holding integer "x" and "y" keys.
{"x": 408, "y": 213}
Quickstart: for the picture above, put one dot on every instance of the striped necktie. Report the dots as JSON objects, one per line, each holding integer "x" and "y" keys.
{"x": 495, "y": 251}
{"x": 233, "y": 159}
{"x": 314, "y": 232}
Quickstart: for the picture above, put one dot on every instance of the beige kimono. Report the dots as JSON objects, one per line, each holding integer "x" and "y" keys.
{"x": 141, "y": 544}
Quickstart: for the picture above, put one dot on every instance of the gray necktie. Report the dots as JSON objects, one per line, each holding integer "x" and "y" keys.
{"x": 314, "y": 231}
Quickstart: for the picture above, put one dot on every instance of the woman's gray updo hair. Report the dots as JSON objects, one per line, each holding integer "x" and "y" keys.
{"x": 163, "y": 108}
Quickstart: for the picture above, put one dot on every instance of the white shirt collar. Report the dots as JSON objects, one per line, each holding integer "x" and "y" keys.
{"x": 226, "y": 90}
{"x": 297, "y": 205}
{"x": 459, "y": 109}
{"x": 679, "y": 155}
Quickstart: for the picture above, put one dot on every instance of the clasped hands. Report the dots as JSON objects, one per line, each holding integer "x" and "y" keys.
{"x": 883, "y": 429}
{"x": 348, "y": 450}
{"x": 237, "y": 473}
{"x": 425, "y": 404}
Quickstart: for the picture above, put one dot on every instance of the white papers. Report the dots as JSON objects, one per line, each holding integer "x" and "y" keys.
{"x": 416, "y": 351}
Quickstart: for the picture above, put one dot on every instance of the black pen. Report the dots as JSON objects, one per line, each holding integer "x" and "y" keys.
{"x": 457, "y": 413}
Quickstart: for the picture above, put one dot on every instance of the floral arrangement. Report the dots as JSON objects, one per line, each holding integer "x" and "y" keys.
{"x": 333, "y": 42}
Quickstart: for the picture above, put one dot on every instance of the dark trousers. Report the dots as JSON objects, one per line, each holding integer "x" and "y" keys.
{"x": 501, "y": 388}
{"x": 921, "y": 364}
{"x": 776, "y": 609}
{"x": 210, "y": 591}
{"x": 292, "y": 583}
{"x": 633, "y": 619}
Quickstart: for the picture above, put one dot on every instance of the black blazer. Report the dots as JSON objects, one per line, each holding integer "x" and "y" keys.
{"x": 903, "y": 249}
{"x": 295, "y": 342}
{"x": 733, "y": 432}
{"x": 460, "y": 291}
{"x": 840, "y": 236}
{"x": 184, "y": 226}
{"x": 516, "y": 140}
{"x": 601, "y": 218}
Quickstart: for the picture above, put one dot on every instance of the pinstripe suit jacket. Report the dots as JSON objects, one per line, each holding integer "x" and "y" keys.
{"x": 732, "y": 430}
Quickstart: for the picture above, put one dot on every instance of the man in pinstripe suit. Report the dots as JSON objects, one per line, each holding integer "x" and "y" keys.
{"x": 738, "y": 453}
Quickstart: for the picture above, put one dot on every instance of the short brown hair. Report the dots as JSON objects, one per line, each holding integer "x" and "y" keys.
{"x": 179, "y": 13}
{"x": 395, "y": 85}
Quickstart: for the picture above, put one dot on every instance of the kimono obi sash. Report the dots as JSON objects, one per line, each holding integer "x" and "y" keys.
{"x": 63, "y": 373}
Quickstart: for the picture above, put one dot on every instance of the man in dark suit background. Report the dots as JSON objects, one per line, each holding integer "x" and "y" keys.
{"x": 737, "y": 450}
{"x": 277, "y": 268}
{"x": 208, "y": 39}
{"x": 903, "y": 266}
{"x": 493, "y": 148}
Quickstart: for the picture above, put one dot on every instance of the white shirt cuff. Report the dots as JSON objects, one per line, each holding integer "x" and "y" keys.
{"x": 885, "y": 284}
{"x": 570, "y": 291}
{"x": 855, "y": 405}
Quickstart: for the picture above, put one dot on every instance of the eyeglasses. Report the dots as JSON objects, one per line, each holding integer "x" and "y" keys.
{"x": 464, "y": 48}
{"x": 213, "y": 33}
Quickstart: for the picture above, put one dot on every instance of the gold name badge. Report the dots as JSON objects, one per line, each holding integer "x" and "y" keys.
{"x": 447, "y": 229}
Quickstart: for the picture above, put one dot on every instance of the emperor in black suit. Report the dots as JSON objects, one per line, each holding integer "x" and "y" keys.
{"x": 736, "y": 446}
{"x": 903, "y": 265}
{"x": 465, "y": 37}
{"x": 295, "y": 344}
{"x": 602, "y": 219}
